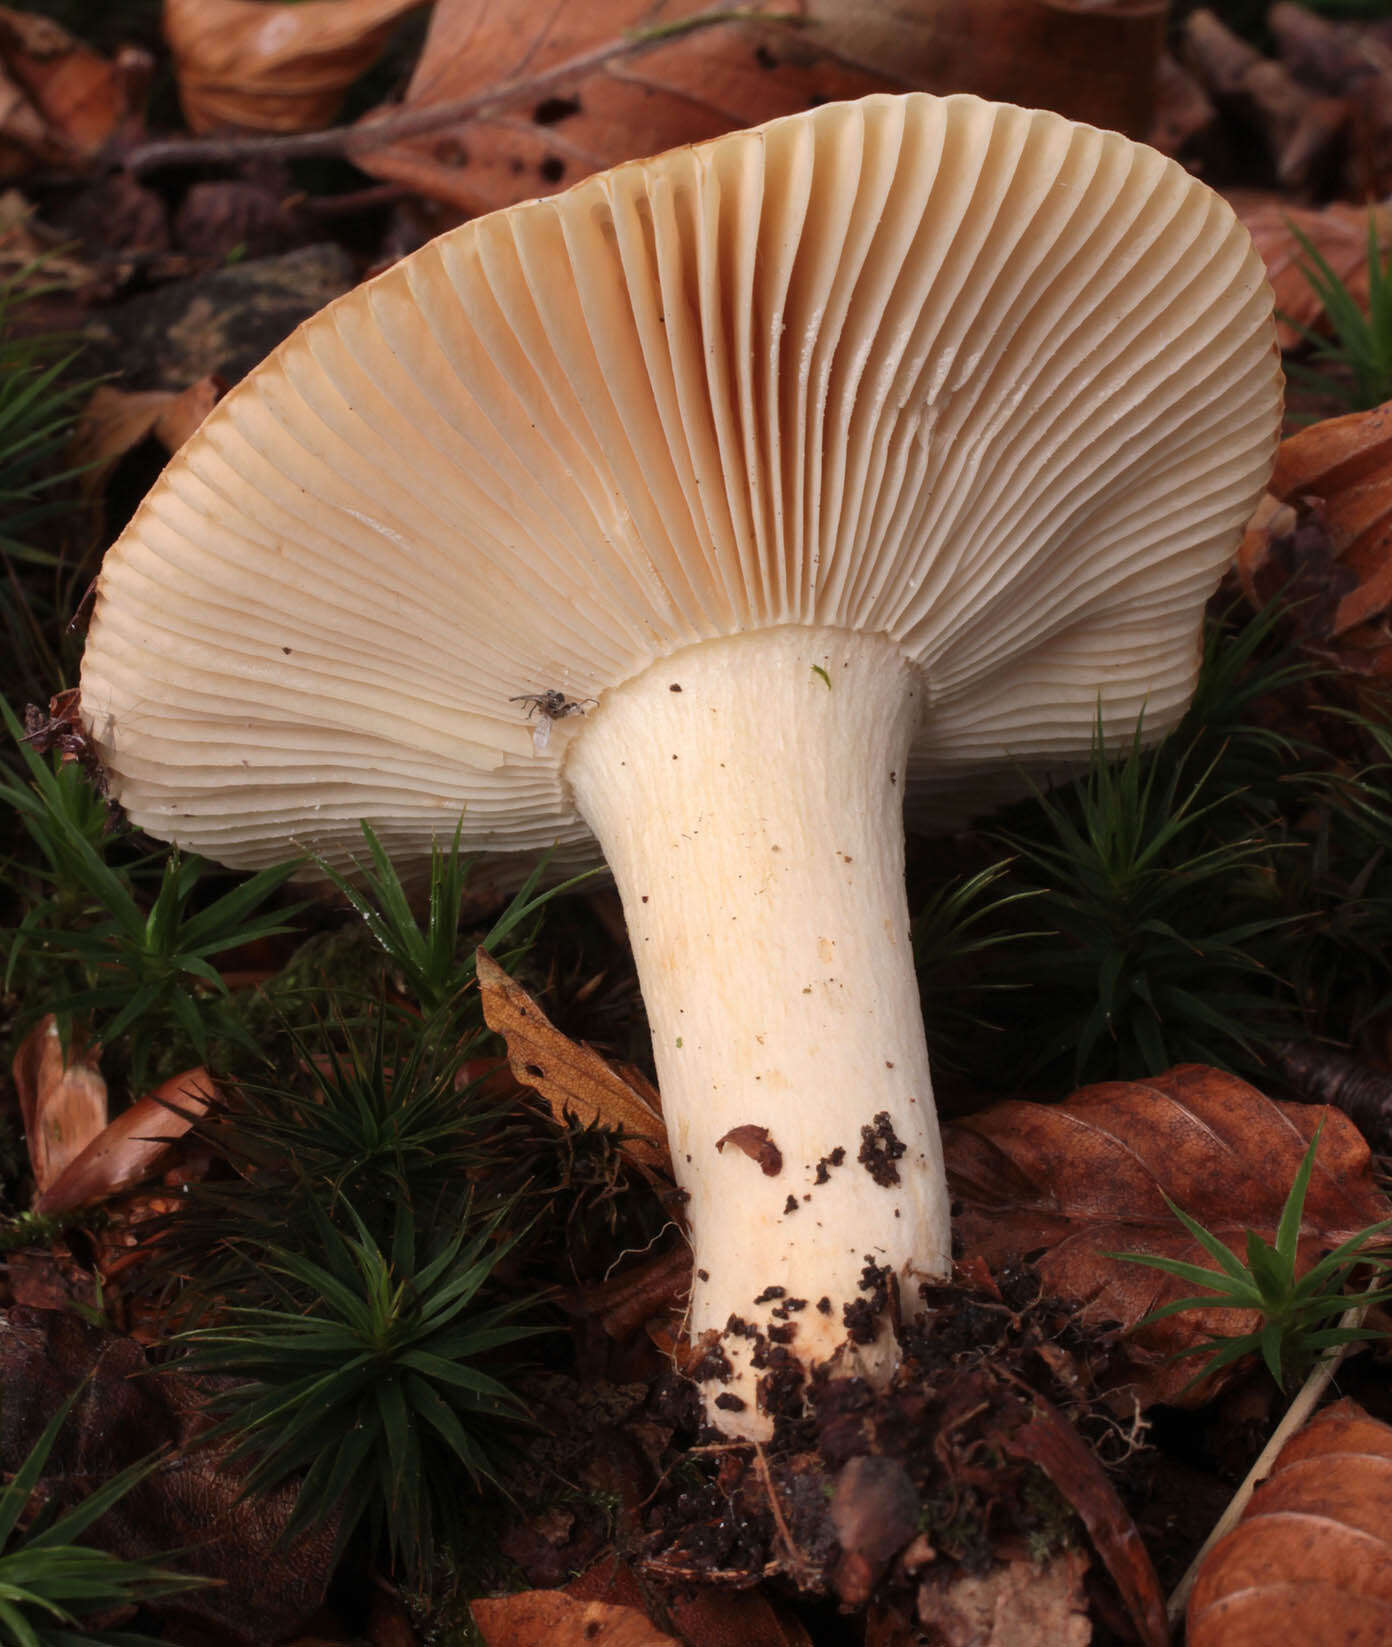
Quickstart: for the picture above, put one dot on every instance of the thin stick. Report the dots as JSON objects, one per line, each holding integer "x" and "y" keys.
{"x": 1306, "y": 1400}
{"x": 419, "y": 122}
{"x": 798, "y": 1559}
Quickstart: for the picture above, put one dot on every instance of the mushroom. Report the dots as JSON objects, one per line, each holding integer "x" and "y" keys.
{"x": 876, "y": 454}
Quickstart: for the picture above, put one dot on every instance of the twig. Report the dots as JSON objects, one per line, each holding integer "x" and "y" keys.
{"x": 1306, "y": 1400}
{"x": 798, "y": 1561}
{"x": 420, "y": 122}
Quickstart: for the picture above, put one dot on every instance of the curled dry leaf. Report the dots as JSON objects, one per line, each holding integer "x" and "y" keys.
{"x": 277, "y": 67}
{"x": 62, "y": 1099}
{"x": 132, "y": 1145}
{"x": 1341, "y": 550}
{"x": 572, "y": 89}
{"x": 1311, "y": 1559}
{"x": 1338, "y": 232}
{"x": 561, "y": 1620}
{"x": 649, "y": 1288}
{"x": 1074, "y": 1183}
{"x": 567, "y": 1074}
{"x": 606, "y": 1604}
{"x": 61, "y": 102}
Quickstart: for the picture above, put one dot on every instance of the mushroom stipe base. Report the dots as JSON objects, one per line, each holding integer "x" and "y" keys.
{"x": 747, "y": 793}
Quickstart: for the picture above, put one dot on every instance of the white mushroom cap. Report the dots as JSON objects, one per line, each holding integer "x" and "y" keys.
{"x": 996, "y": 386}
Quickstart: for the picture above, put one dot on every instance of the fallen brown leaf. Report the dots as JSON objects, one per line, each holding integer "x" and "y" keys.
{"x": 651, "y": 1287}
{"x": 559, "y": 1620}
{"x": 1080, "y": 1181}
{"x": 61, "y": 102}
{"x": 1311, "y": 1559}
{"x": 735, "y": 1618}
{"x": 1343, "y": 466}
{"x": 1050, "y": 1442}
{"x": 273, "y": 67}
{"x": 62, "y": 1099}
{"x": 568, "y": 1075}
{"x": 24, "y": 241}
{"x": 1338, "y": 232}
{"x": 572, "y": 89}
{"x": 114, "y": 421}
{"x": 1013, "y": 1604}
{"x": 131, "y": 1146}
{"x": 195, "y": 1501}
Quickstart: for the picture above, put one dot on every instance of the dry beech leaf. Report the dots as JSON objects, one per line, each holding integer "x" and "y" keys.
{"x": 130, "y": 1147}
{"x": 1311, "y": 1560}
{"x": 1078, "y": 1181}
{"x": 273, "y": 67}
{"x": 61, "y": 102}
{"x": 568, "y": 1075}
{"x": 1050, "y": 1442}
{"x": 1340, "y": 234}
{"x": 735, "y": 1618}
{"x": 1345, "y": 465}
{"x": 559, "y": 1620}
{"x": 195, "y": 1501}
{"x": 114, "y": 421}
{"x": 62, "y": 1099}
{"x": 635, "y": 1295}
{"x": 638, "y": 83}
{"x": 1014, "y": 1604}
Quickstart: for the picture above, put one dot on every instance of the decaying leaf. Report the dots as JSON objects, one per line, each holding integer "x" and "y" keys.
{"x": 1340, "y": 550}
{"x": 114, "y": 421}
{"x": 607, "y": 1604}
{"x": 1077, "y": 1182}
{"x": 572, "y": 89}
{"x": 623, "y": 1302}
{"x": 1014, "y": 1604}
{"x": 560, "y": 1620}
{"x": 61, "y": 102}
{"x": 195, "y": 1501}
{"x": 1338, "y": 232}
{"x": 1311, "y": 1559}
{"x": 129, "y": 1148}
{"x": 735, "y": 1618}
{"x": 273, "y": 67}
{"x": 568, "y": 1075}
{"x": 62, "y": 1099}
{"x": 31, "y": 256}
{"x": 1048, "y": 1440}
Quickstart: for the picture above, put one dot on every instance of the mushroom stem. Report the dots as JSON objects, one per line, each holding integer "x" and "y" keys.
{"x": 747, "y": 792}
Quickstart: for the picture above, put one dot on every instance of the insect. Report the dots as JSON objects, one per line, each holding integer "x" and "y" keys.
{"x": 551, "y": 705}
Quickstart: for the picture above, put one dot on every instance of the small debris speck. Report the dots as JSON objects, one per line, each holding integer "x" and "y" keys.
{"x": 880, "y": 1148}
